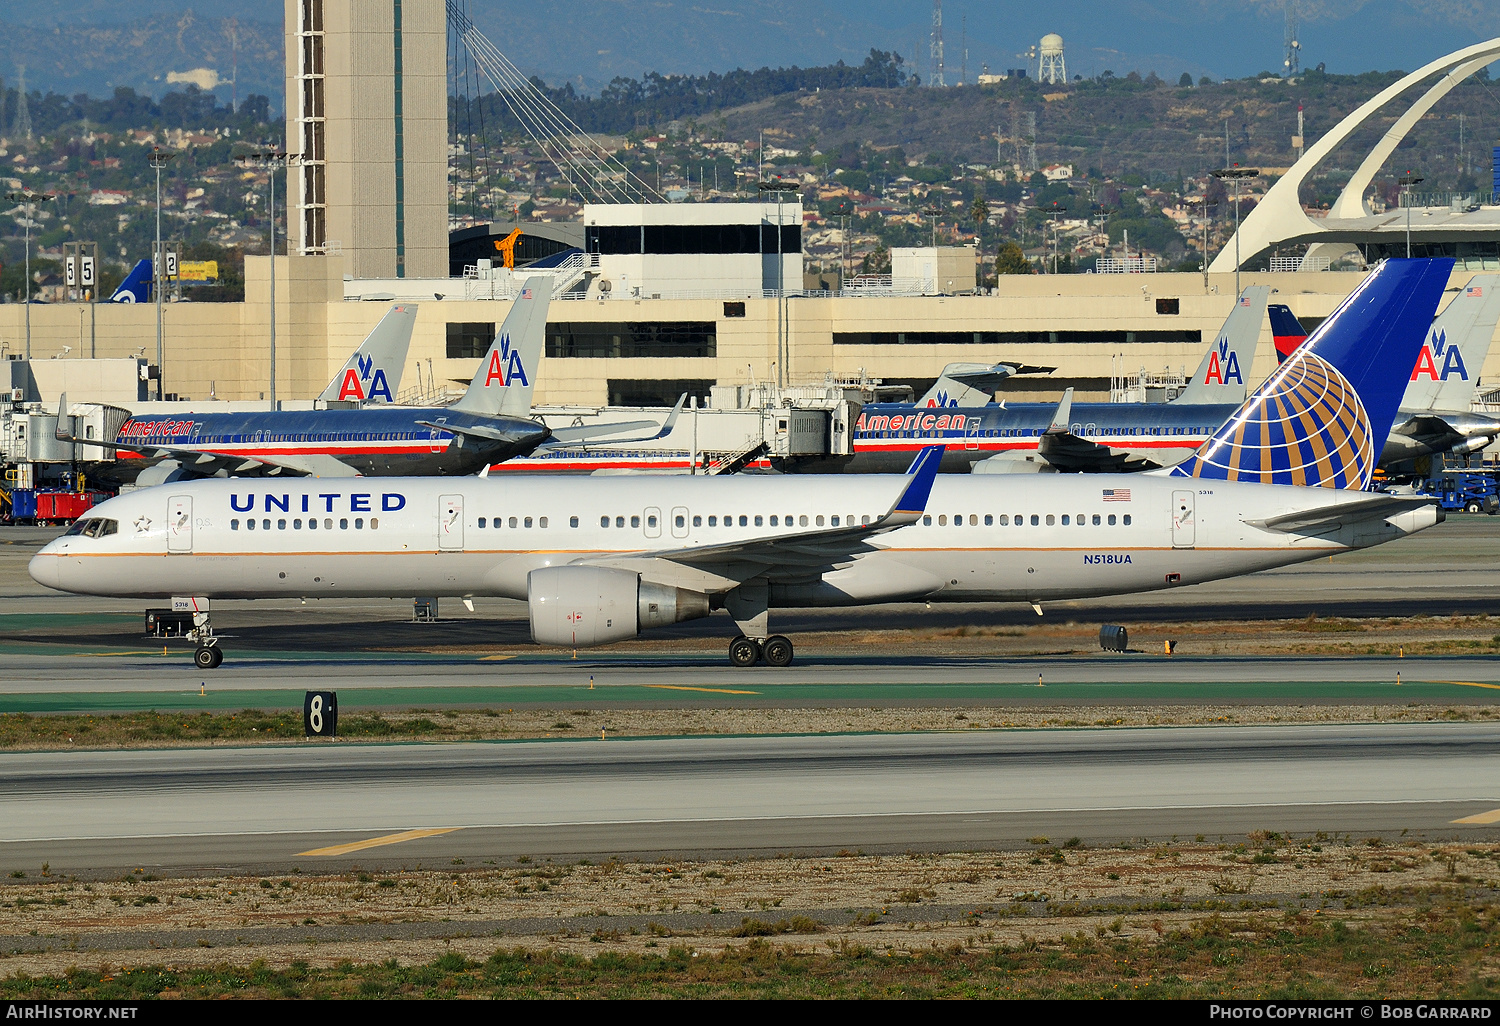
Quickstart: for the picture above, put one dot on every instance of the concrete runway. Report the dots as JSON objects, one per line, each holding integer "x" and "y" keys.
{"x": 264, "y": 809}
{"x": 149, "y": 672}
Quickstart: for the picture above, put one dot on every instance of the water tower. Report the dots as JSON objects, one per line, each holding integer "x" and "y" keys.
{"x": 1050, "y": 65}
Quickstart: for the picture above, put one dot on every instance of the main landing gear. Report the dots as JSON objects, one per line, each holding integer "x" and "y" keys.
{"x": 775, "y": 650}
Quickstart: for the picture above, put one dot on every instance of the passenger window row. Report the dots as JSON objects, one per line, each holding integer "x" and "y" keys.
{"x": 498, "y": 522}
{"x": 312, "y": 524}
{"x": 742, "y": 519}
{"x": 1004, "y": 519}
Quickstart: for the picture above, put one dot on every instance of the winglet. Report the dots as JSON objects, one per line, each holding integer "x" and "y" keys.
{"x": 1059, "y": 425}
{"x": 671, "y": 421}
{"x": 921, "y": 474}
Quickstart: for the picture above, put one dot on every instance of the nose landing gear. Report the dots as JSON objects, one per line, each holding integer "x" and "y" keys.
{"x": 208, "y": 656}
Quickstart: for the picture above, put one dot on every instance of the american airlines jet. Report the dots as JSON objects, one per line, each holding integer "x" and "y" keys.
{"x": 600, "y": 559}
{"x": 490, "y": 424}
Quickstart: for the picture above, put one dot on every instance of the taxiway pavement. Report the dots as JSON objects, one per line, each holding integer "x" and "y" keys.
{"x": 267, "y": 809}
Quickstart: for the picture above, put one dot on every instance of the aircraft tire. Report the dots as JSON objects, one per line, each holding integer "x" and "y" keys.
{"x": 743, "y": 652}
{"x": 203, "y": 658}
{"x": 218, "y": 658}
{"x": 778, "y": 651}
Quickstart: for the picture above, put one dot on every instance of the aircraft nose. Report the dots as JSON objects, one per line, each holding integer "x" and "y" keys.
{"x": 46, "y": 569}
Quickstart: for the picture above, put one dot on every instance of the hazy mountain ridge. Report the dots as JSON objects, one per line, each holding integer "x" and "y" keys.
{"x": 86, "y": 45}
{"x": 141, "y": 54}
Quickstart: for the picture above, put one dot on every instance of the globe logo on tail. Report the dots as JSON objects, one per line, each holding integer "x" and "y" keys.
{"x": 1305, "y": 426}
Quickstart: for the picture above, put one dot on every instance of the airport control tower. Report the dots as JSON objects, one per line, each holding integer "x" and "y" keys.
{"x": 367, "y": 123}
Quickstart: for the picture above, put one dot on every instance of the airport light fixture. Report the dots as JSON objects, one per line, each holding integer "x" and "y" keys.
{"x": 31, "y": 199}
{"x": 1235, "y": 173}
{"x": 273, "y": 160}
{"x": 1407, "y": 181}
{"x": 780, "y": 188}
{"x": 159, "y": 159}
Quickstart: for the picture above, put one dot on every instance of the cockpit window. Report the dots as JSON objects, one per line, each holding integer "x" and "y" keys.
{"x": 94, "y": 527}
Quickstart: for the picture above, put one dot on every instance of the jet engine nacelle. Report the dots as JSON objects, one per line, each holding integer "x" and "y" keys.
{"x": 583, "y": 606}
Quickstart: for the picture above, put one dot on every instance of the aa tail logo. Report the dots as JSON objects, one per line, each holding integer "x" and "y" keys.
{"x": 1223, "y": 366}
{"x": 941, "y": 399}
{"x": 505, "y": 365}
{"x": 353, "y": 384}
{"x": 1437, "y": 349}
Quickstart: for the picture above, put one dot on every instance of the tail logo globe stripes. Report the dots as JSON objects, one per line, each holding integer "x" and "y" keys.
{"x": 1307, "y": 427}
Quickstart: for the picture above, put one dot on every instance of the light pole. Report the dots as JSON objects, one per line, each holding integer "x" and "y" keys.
{"x": 158, "y": 160}
{"x": 780, "y": 189}
{"x": 1235, "y": 173}
{"x": 1055, "y": 211}
{"x": 1407, "y": 181}
{"x": 275, "y": 160}
{"x": 30, "y": 199}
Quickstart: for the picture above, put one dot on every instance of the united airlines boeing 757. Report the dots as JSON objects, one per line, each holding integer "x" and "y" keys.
{"x": 600, "y": 559}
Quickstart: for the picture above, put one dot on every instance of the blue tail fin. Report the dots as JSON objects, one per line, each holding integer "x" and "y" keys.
{"x": 1322, "y": 417}
{"x": 136, "y": 288}
{"x": 1286, "y": 331}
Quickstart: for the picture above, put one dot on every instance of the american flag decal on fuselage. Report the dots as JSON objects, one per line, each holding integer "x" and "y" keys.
{"x": 1117, "y": 495}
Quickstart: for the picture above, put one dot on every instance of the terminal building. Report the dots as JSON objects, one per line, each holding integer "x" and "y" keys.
{"x": 650, "y": 300}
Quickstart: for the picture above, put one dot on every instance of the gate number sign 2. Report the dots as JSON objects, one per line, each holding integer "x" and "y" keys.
{"x": 320, "y": 714}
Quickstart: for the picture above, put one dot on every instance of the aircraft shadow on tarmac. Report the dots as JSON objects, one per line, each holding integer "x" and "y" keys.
{"x": 312, "y": 630}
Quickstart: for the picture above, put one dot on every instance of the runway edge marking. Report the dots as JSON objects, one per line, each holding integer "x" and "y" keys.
{"x": 376, "y": 842}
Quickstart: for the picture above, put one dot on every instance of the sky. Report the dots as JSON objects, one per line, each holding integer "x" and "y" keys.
{"x": 590, "y": 41}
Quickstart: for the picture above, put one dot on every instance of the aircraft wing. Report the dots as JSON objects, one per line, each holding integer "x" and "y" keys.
{"x": 1376, "y": 507}
{"x": 605, "y": 434}
{"x": 1067, "y": 452}
{"x": 787, "y": 556}
{"x": 213, "y": 464}
{"x": 1072, "y": 454}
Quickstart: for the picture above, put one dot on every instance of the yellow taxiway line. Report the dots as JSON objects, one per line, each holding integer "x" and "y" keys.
{"x": 376, "y": 842}
{"x": 1483, "y": 819}
{"x": 1469, "y": 684}
{"x": 683, "y": 687}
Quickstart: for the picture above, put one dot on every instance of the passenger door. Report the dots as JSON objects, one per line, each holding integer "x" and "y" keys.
{"x": 1183, "y": 529}
{"x": 679, "y": 522}
{"x": 451, "y": 522}
{"x": 180, "y": 523}
{"x": 652, "y": 517}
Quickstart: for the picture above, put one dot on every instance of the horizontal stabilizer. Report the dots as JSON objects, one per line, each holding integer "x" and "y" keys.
{"x": 1377, "y": 507}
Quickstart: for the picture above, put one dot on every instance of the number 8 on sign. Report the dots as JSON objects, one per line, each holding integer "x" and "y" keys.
{"x": 320, "y": 714}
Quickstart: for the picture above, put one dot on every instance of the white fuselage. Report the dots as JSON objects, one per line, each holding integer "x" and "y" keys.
{"x": 982, "y": 538}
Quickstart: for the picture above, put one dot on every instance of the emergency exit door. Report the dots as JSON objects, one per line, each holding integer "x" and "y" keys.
{"x": 1183, "y": 528}
{"x": 451, "y": 522}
